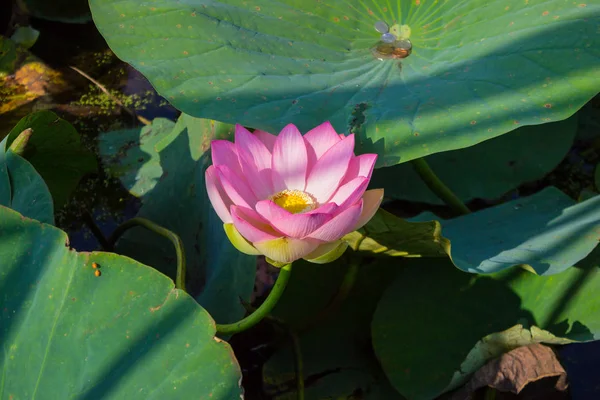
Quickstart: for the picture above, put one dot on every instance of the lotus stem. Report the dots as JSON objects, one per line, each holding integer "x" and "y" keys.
{"x": 173, "y": 237}
{"x": 437, "y": 186}
{"x": 91, "y": 224}
{"x": 264, "y": 309}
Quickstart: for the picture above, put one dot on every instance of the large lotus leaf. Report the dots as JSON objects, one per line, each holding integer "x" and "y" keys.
{"x": 165, "y": 167}
{"x": 435, "y": 324}
{"x": 56, "y": 152}
{"x": 22, "y": 188}
{"x": 487, "y": 170}
{"x": 30, "y": 195}
{"x": 548, "y": 232}
{"x": 476, "y": 71}
{"x": 126, "y": 334}
{"x": 387, "y": 235}
{"x": 338, "y": 360}
{"x": 130, "y": 155}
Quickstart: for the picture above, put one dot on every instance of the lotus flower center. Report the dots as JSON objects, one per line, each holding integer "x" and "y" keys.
{"x": 294, "y": 201}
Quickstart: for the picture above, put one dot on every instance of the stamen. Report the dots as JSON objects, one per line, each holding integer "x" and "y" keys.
{"x": 295, "y": 201}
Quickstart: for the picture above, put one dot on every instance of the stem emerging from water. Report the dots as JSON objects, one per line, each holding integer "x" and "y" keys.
{"x": 437, "y": 186}
{"x": 173, "y": 237}
{"x": 264, "y": 309}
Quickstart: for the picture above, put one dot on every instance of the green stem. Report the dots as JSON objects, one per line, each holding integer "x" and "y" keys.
{"x": 89, "y": 221}
{"x": 174, "y": 238}
{"x": 264, "y": 309}
{"x": 437, "y": 186}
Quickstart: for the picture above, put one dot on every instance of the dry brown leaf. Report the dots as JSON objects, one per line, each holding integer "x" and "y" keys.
{"x": 512, "y": 371}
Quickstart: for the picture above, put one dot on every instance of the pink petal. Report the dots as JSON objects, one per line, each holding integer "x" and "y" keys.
{"x": 360, "y": 166}
{"x": 267, "y": 138}
{"x": 322, "y": 138}
{"x": 216, "y": 194}
{"x": 327, "y": 208}
{"x": 289, "y": 160}
{"x": 236, "y": 188}
{"x": 250, "y": 145}
{"x": 251, "y": 225}
{"x": 269, "y": 210}
{"x": 255, "y": 160}
{"x": 300, "y": 225}
{"x": 371, "y": 202}
{"x": 340, "y": 225}
{"x": 292, "y": 225}
{"x": 326, "y": 175}
{"x": 285, "y": 249}
{"x": 351, "y": 192}
{"x": 319, "y": 140}
{"x": 224, "y": 152}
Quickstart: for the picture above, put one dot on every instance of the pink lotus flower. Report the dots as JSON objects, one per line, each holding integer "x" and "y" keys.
{"x": 291, "y": 196}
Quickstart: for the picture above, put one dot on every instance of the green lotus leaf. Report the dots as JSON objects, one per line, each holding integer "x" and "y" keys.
{"x": 25, "y": 36}
{"x": 487, "y": 170}
{"x": 22, "y": 188}
{"x": 126, "y": 334}
{"x": 387, "y": 235}
{"x": 476, "y": 71}
{"x": 56, "y": 152}
{"x": 547, "y": 232}
{"x": 164, "y": 165}
{"x": 435, "y": 324}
